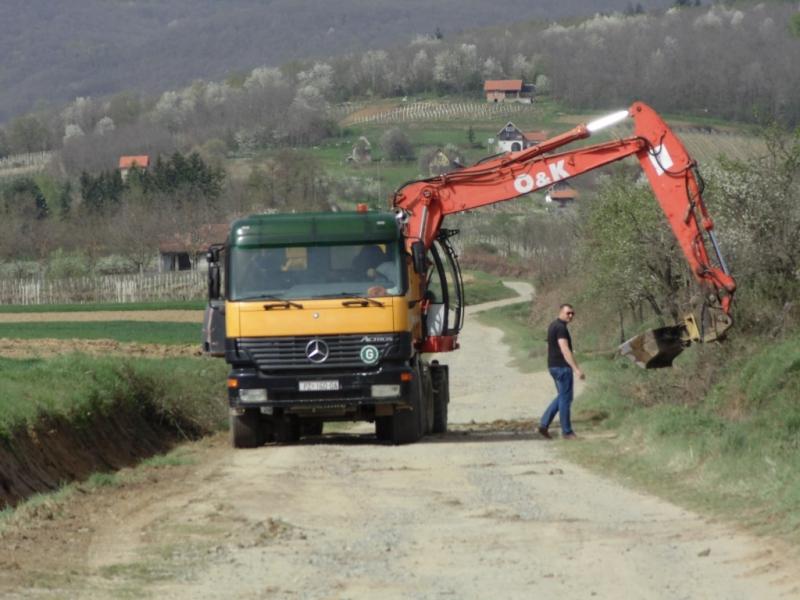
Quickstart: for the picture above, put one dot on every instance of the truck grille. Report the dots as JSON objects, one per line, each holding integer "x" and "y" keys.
{"x": 282, "y": 353}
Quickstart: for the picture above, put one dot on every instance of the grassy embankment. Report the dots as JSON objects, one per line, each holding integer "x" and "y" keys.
{"x": 734, "y": 451}
{"x": 78, "y": 402}
{"x": 74, "y": 386}
{"x": 70, "y": 385}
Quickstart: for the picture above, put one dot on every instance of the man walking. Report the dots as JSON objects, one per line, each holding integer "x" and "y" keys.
{"x": 561, "y": 364}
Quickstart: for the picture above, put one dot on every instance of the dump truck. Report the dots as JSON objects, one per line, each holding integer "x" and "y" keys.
{"x": 339, "y": 316}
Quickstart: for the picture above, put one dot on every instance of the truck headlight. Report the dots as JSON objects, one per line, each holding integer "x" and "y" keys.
{"x": 252, "y": 396}
{"x": 385, "y": 391}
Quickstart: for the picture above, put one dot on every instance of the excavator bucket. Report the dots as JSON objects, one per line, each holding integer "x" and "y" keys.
{"x": 656, "y": 348}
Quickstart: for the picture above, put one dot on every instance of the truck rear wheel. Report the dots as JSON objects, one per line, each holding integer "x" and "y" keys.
{"x": 428, "y": 405}
{"x": 246, "y": 430}
{"x": 383, "y": 428}
{"x": 441, "y": 397}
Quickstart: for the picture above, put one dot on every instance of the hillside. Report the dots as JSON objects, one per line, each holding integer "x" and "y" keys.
{"x": 52, "y": 52}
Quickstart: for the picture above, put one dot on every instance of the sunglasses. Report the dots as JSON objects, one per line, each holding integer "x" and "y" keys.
{"x": 570, "y": 314}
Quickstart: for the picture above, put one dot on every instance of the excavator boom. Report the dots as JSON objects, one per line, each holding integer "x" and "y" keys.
{"x": 671, "y": 172}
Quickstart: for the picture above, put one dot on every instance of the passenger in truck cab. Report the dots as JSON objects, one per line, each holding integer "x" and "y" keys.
{"x": 267, "y": 264}
{"x": 376, "y": 265}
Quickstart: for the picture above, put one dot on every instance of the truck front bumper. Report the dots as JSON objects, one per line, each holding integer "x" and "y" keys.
{"x": 389, "y": 384}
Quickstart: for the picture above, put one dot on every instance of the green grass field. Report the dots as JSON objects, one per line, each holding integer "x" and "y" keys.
{"x": 144, "y": 332}
{"x": 105, "y": 306}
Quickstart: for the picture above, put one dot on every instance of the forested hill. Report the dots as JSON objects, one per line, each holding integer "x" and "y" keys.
{"x": 53, "y": 51}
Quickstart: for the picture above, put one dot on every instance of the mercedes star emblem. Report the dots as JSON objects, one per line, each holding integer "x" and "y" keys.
{"x": 317, "y": 351}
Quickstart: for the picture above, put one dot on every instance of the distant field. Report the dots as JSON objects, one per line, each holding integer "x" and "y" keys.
{"x": 143, "y": 332}
{"x": 435, "y": 122}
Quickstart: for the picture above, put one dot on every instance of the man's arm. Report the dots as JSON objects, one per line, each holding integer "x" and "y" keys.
{"x": 568, "y": 356}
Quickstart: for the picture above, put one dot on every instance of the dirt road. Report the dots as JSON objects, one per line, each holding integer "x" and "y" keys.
{"x": 487, "y": 511}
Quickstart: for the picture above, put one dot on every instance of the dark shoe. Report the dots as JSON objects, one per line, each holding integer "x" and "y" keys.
{"x": 569, "y": 436}
{"x": 544, "y": 433}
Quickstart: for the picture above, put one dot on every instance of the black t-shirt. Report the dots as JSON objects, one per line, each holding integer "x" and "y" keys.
{"x": 557, "y": 330}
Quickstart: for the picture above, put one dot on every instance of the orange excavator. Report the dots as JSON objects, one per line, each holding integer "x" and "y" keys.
{"x": 675, "y": 181}
{"x": 333, "y": 316}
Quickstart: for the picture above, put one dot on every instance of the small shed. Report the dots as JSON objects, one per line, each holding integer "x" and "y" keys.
{"x": 185, "y": 251}
{"x": 126, "y": 163}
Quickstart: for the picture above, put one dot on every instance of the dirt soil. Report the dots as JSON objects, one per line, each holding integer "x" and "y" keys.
{"x": 488, "y": 510}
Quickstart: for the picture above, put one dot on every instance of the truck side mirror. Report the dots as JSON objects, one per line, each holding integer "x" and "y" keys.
{"x": 214, "y": 274}
{"x": 214, "y": 287}
{"x": 418, "y": 256}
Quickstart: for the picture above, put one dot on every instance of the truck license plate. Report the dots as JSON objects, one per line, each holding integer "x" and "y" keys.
{"x": 319, "y": 386}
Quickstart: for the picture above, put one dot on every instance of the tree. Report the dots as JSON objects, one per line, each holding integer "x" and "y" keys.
{"x": 396, "y": 145}
{"x": 138, "y": 227}
{"x": 757, "y": 214}
{"x": 4, "y": 148}
{"x": 794, "y": 24}
{"x": 24, "y": 198}
{"x": 101, "y": 194}
{"x": 125, "y": 108}
{"x": 471, "y": 136}
{"x": 28, "y": 134}
{"x": 629, "y": 254}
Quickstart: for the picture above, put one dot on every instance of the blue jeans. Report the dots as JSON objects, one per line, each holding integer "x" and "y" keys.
{"x": 563, "y": 402}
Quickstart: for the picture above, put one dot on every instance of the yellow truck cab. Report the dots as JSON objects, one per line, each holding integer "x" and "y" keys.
{"x": 324, "y": 317}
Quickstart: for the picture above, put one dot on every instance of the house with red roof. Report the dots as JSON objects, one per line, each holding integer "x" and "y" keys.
{"x": 508, "y": 90}
{"x": 126, "y": 163}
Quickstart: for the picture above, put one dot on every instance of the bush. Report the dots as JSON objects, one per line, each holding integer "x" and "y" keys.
{"x": 115, "y": 265}
{"x": 62, "y": 265}
{"x": 19, "y": 269}
{"x": 396, "y": 145}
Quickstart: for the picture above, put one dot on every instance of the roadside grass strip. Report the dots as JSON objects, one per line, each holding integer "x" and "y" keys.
{"x": 144, "y": 332}
{"x": 735, "y": 452}
{"x": 480, "y": 287}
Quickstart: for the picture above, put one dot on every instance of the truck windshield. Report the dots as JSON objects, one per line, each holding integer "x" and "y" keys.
{"x": 319, "y": 271}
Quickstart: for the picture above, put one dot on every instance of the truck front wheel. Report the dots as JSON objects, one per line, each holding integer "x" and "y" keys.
{"x": 407, "y": 424}
{"x": 246, "y": 430}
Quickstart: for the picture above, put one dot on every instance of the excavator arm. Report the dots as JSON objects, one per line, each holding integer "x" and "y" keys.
{"x": 671, "y": 172}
